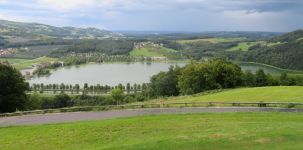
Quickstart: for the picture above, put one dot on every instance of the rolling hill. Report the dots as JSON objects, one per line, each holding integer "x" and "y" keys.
{"x": 34, "y": 30}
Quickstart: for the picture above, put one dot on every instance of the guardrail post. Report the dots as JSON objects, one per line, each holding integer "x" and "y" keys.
{"x": 186, "y": 104}
{"x": 163, "y": 104}
{"x": 209, "y": 103}
{"x": 234, "y": 104}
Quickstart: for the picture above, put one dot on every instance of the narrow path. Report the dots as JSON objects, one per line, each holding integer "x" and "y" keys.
{"x": 80, "y": 116}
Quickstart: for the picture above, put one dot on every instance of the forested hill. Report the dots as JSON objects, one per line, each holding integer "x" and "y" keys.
{"x": 287, "y": 55}
{"x": 56, "y": 31}
{"x": 110, "y": 47}
{"x": 288, "y": 37}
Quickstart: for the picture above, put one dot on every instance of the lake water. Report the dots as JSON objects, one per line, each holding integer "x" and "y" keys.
{"x": 113, "y": 74}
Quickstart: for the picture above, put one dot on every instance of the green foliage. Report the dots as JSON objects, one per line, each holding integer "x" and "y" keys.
{"x": 13, "y": 87}
{"x": 283, "y": 79}
{"x": 248, "y": 79}
{"x": 289, "y": 37}
{"x": 117, "y": 95}
{"x": 260, "y": 78}
{"x": 34, "y": 101}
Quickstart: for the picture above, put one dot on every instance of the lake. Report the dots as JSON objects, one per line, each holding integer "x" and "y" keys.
{"x": 113, "y": 74}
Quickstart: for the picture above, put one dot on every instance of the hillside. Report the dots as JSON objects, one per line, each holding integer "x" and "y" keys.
{"x": 288, "y": 37}
{"x": 36, "y": 30}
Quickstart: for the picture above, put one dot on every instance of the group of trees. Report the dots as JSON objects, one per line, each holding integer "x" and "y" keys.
{"x": 215, "y": 74}
{"x": 81, "y": 60}
{"x": 110, "y": 47}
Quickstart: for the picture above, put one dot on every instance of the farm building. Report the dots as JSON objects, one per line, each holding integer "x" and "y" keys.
{"x": 44, "y": 64}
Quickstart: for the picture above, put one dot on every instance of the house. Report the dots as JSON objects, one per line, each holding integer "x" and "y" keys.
{"x": 15, "y": 49}
{"x": 154, "y": 48}
{"x": 97, "y": 62}
{"x": 82, "y": 56}
{"x": 161, "y": 44}
{"x": 9, "y": 49}
{"x": 44, "y": 64}
{"x": 156, "y": 44}
{"x": 264, "y": 44}
{"x": 135, "y": 43}
{"x": 6, "y": 52}
{"x": 38, "y": 37}
{"x": 278, "y": 42}
{"x": 103, "y": 54}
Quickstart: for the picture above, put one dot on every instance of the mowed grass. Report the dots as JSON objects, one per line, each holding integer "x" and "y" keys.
{"x": 207, "y": 131}
{"x": 14, "y": 60}
{"x": 137, "y": 53}
{"x": 244, "y": 46}
{"x": 257, "y": 94}
{"x": 214, "y": 40}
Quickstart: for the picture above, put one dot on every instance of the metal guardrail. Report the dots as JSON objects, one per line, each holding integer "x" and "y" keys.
{"x": 159, "y": 104}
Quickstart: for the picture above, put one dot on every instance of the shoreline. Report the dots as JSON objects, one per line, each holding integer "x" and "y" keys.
{"x": 267, "y": 66}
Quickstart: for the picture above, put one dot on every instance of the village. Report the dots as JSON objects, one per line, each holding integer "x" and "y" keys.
{"x": 9, "y": 51}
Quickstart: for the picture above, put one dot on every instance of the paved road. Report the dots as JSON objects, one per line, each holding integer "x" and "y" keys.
{"x": 80, "y": 116}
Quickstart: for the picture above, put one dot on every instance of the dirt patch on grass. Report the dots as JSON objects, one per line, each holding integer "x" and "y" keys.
{"x": 263, "y": 140}
{"x": 205, "y": 118}
{"x": 219, "y": 135}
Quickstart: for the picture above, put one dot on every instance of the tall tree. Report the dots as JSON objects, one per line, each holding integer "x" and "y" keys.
{"x": 13, "y": 87}
{"x": 85, "y": 86}
{"x": 260, "y": 78}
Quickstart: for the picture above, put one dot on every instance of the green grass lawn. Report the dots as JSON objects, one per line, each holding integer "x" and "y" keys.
{"x": 214, "y": 40}
{"x": 257, "y": 94}
{"x": 169, "y": 49}
{"x": 244, "y": 46}
{"x": 14, "y": 60}
{"x": 207, "y": 131}
{"x": 137, "y": 53}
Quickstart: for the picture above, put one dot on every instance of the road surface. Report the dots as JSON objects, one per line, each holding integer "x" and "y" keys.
{"x": 81, "y": 116}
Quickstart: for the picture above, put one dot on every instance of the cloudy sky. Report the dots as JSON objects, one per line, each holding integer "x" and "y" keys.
{"x": 160, "y": 15}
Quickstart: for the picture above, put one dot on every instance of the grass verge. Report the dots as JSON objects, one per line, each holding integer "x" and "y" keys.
{"x": 166, "y": 131}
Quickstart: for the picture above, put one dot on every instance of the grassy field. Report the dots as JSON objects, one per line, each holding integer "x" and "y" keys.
{"x": 169, "y": 49}
{"x": 137, "y": 53}
{"x": 28, "y": 64}
{"x": 244, "y": 46}
{"x": 299, "y": 38}
{"x": 236, "y": 131}
{"x": 41, "y": 50}
{"x": 214, "y": 40}
{"x": 14, "y": 60}
{"x": 257, "y": 94}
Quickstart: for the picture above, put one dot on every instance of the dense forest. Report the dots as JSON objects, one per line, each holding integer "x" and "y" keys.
{"x": 288, "y": 37}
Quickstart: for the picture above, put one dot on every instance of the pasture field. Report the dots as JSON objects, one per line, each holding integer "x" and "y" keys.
{"x": 214, "y": 40}
{"x": 208, "y": 131}
{"x": 17, "y": 40}
{"x": 14, "y": 60}
{"x": 244, "y": 45}
{"x": 299, "y": 38}
{"x": 137, "y": 53}
{"x": 168, "y": 49}
{"x": 28, "y": 64}
{"x": 256, "y": 94}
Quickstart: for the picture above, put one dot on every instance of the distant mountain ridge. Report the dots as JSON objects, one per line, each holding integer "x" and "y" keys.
{"x": 37, "y": 30}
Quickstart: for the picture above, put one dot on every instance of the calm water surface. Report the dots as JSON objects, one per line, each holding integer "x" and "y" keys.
{"x": 113, "y": 74}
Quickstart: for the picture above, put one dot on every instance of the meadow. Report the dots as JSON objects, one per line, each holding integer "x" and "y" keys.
{"x": 14, "y": 60}
{"x": 28, "y": 64}
{"x": 214, "y": 40}
{"x": 244, "y": 45}
{"x": 138, "y": 53}
{"x": 256, "y": 94}
{"x": 236, "y": 131}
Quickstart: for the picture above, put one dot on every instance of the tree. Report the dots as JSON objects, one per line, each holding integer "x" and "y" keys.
{"x": 135, "y": 86}
{"x": 85, "y": 86}
{"x": 283, "y": 79}
{"x": 260, "y": 78}
{"x": 120, "y": 86}
{"x": 34, "y": 102}
{"x": 70, "y": 86}
{"x": 42, "y": 85}
{"x": 34, "y": 86}
{"x": 62, "y": 86}
{"x": 139, "y": 87}
{"x": 66, "y": 86}
{"x": 117, "y": 95}
{"x": 13, "y": 87}
{"x": 98, "y": 87}
{"x": 77, "y": 86}
{"x": 54, "y": 86}
{"x": 128, "y": 86}
{"x": 91, "y": 87}
{"x": 248, "y": 79}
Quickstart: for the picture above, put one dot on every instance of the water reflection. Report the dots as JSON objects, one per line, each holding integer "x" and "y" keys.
{"x": 85, "y": 92}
